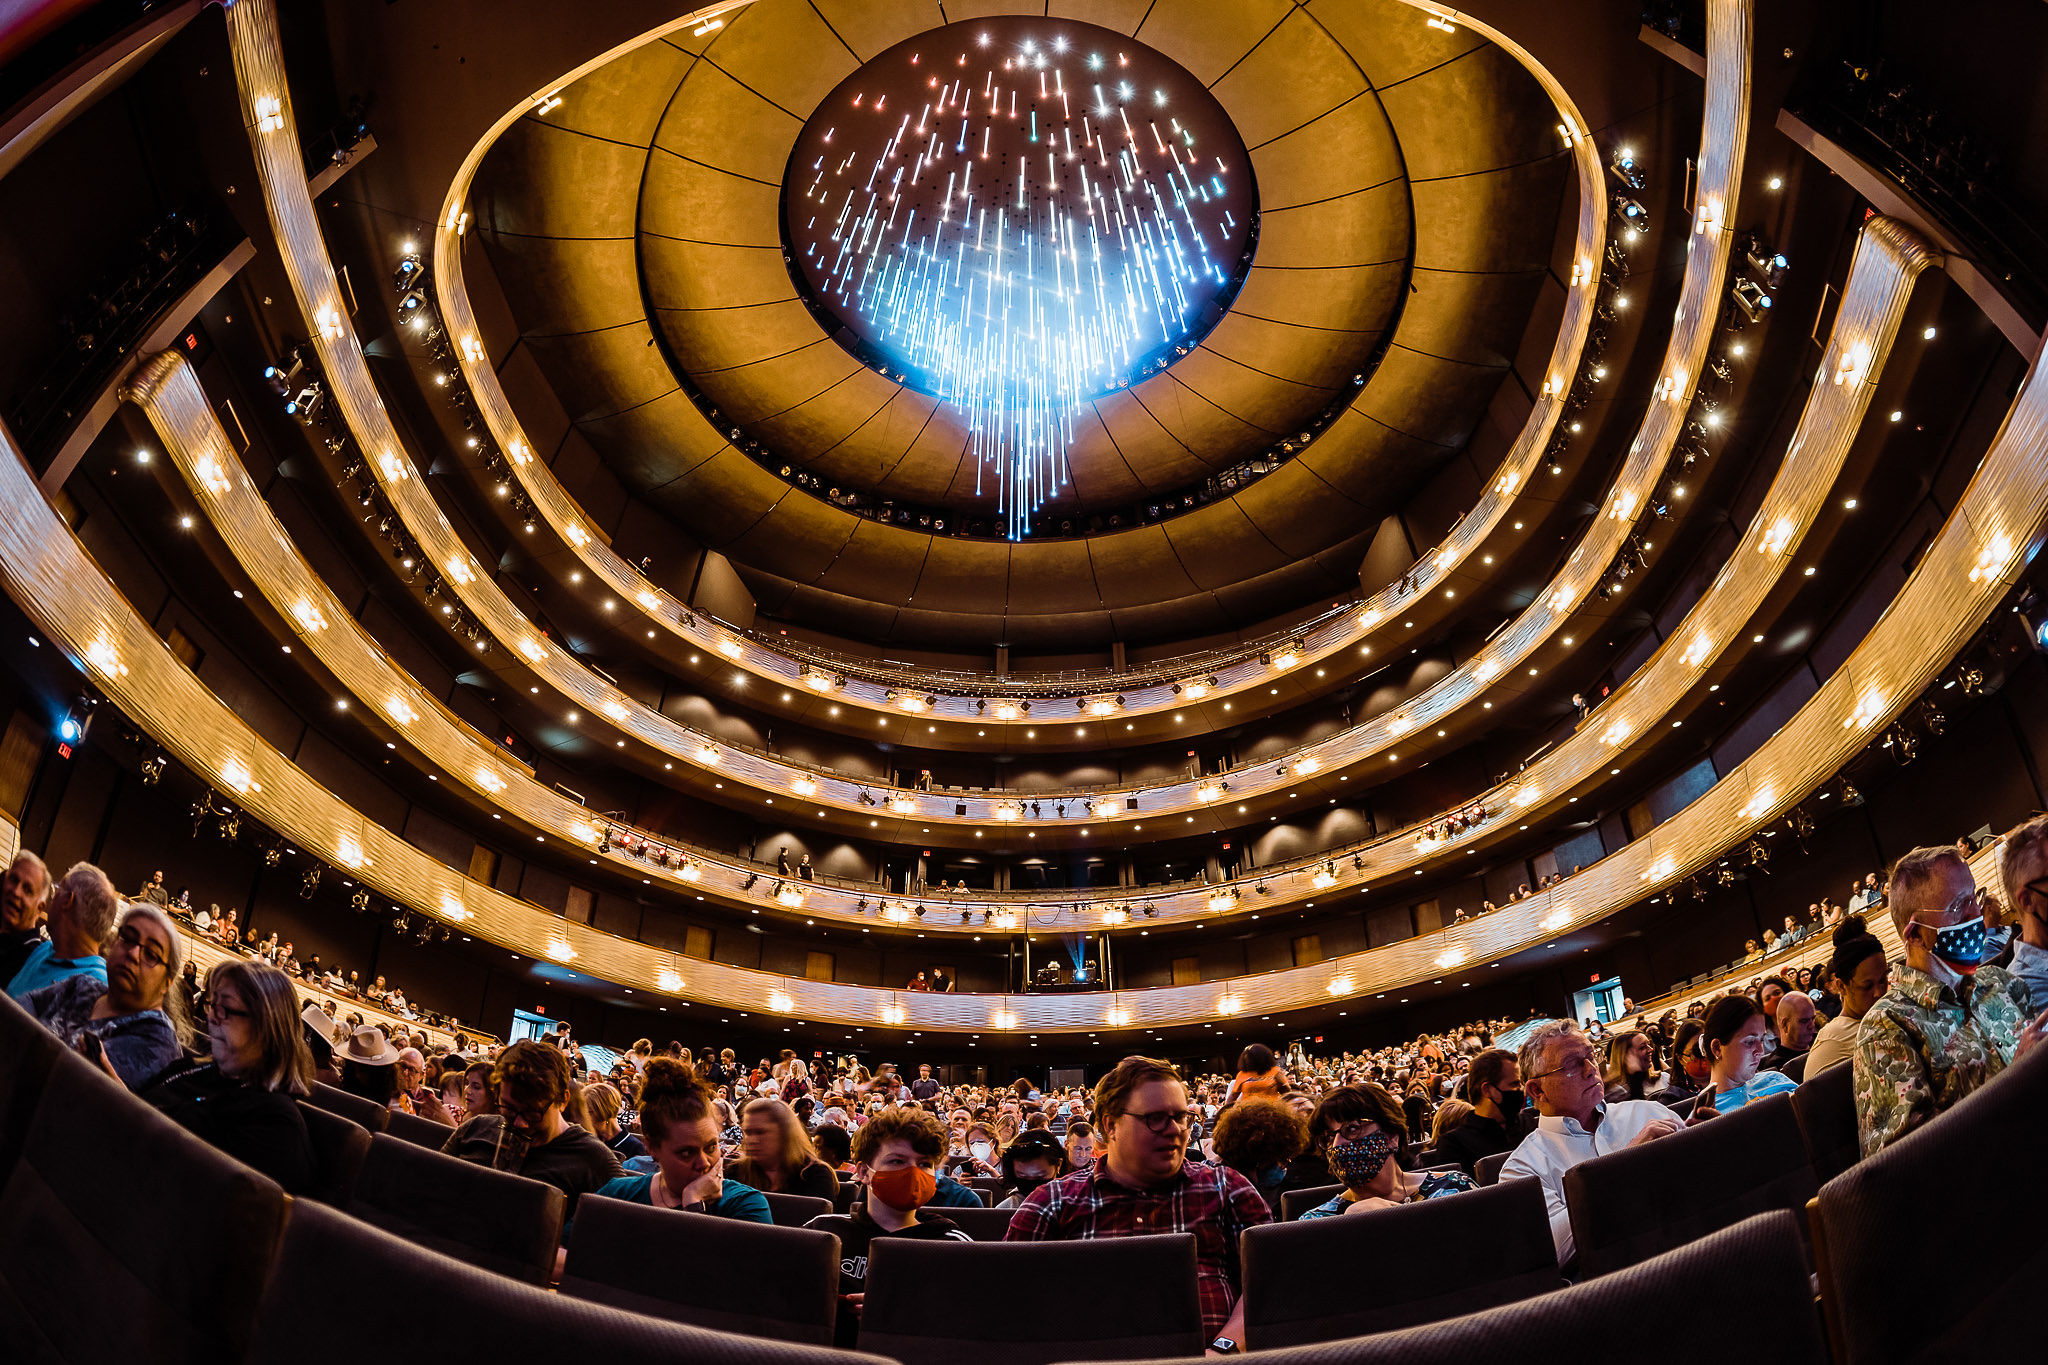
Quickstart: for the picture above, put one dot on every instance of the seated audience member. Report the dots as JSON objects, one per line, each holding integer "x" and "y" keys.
{"x": 1769, "y": 992}
{"x": 318, "y": 1028}
{"x": 477, "y": 1095}
{"x": 244, "y": 1100}
{"x": 896, "y": 1152}
{"x": 1861, "y": 973}
{"x": 529, "y": 1135}
{"x": 369, "y": 1065}
{"x": 1631, "y": 1071}
{"x": 1576, "y": 1123}
{"x": 1448, "y": 1115}
{"x": 835, "y": 1148}
{"x": 1794, "y": 1027}
{"x": 24, "y": 903}
{"x": 1034, "y": 1159}
{"x": 451, "y": 1086}
{"x": 1734, "y": 1040}
{"x": 1366, "y": 1135}
{"x": 81, "y": 920}
{"x": 2024, "y": 864}
{"x": 602, "y": 1105}
{"x": 1689, "y": 1070}
{"x": 1495, "y": 1086}
{"x": 126, "y": 1023}
{"x": 1948, "y": 1024}
{"x": 776, "y": 1154}
{"x": 414, "y": 1095}
{"x": 980, "y": 1159}
{"x": 681, "y": 1131}
{"x": 1080, "y": 1144}
{"x": 1259, "y": 1074}
{"x": 1145, "y": 1184}
{"x": 1261, "y": 1139}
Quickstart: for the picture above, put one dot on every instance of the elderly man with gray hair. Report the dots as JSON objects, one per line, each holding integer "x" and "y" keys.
{"x": 1577, "y": 1122}
{"x": 1949, "y": 1023}
{"x": 82, "y": 914}
{"x": 24, "y": 901}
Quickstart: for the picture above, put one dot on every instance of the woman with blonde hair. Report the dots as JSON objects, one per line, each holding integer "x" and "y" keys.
{"x": 1448, "y": 1115}
{"x": 776, "y": 1154}
{"x": 1631, "y": 1071}
{"x": 602, "y": 1104}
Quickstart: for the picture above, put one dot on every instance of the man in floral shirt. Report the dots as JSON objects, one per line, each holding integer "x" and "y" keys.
{"x": 1947, "y": 1025}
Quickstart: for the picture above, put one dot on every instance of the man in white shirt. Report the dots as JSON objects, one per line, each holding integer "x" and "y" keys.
{"x": 1576, "y": 1124}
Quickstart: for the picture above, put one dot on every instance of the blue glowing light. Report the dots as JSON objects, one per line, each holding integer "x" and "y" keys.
{"x": 1004, "y": 242}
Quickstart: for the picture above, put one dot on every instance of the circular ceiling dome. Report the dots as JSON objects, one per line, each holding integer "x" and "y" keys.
{"x": 1016, "y": 216}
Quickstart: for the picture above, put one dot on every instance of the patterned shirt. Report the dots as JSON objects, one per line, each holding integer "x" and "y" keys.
{"x": 1215, "y": 1203}
{"x": 1920, "y": 1049}
{"x": 1435, "y": 1185}
{"x": 140, "y": 1045}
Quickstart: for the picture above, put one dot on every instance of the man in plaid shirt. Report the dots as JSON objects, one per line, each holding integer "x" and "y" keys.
{"x": 1143, "y": 1183}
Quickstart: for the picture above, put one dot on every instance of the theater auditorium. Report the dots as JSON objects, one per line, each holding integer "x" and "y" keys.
{"x": 650, "y": 654}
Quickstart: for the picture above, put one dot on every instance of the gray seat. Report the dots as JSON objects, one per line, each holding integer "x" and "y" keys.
{"x": 125, "y": 1238}
{"x": 1826, "y": 1109}
{"x": 795, "y": 1210}
{"x": 1630, "y": 1205}
{"x": 714, "y": 1272}
{"x": 368, "y": 1113}
{"x": 1294, "y": 1203}
{"x": 1486, "y": 1170}
{"x": 339, "y": 1148}
{"x": 942, "y": 1302}
{"x": 983, "y": 1225}
{"x": 1416, "y": 1263}
{"x": 416, "y": 1130}
{"x": 492, "y": 1219}
{"x": 27, "y": 1052}
{"x": 1757, "y": 1263}
{"x": 1964, "y": 1190}
{"x": 324, "y": 1250}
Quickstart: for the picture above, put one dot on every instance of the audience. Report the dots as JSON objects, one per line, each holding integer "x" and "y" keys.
{"x": 529, "y": 1134}
{"x": 1032, "y": 1160}
{"x": 776, "y": 1153}
{"x": 1577, "y": 1122}
{"x": 2023, "y": 863}
{"x": 81, "y": 918}
{"x": 123, "y": 1022}
{"x": 1260, "y": 1139}
{"x": 1862, "y": 973}
{"x": 680, "y": 1126}
{"x": 896, "y": 1153}
{"x": 1259, "y": 1073}
{"x": 24, "y": 903}
{"x": 1631, "y": 1066}
{"x": 1366, "y": 1136}
{"x": 602, "y": 1105}
{"x": 244, "y": 1099}
{"x": 1948, "y": 1024}
{"x": 1794, "y": 1028}
{"x": 1494, "y": 1086}
{"x": 1144, "y": 1184}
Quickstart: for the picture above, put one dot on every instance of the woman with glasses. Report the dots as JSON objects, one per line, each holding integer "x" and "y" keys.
{"x": 1366, "y": 1134}
{"x": 243, "y": 1100}
{"x": 1735, "y": 1037}
{"x": 132, "y": 1025}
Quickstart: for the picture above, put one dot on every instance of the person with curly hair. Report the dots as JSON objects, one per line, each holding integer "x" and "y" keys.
{"x": 1261, "y": 1139}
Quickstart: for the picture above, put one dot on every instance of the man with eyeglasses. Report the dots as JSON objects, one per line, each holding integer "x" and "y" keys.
{"x": 2024, "y": 863}
{"x": 1949, "y": 1023}
{"x": 1142, "y": 1183}
{"x": 1577, "y": 1122}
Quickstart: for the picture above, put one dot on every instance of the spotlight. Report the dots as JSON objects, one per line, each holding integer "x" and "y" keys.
{"x": 152, "y": 770}
{"x": 1632, "y": 213}
{"x": 309, "y": 882}
{"x": 273, "y": 854}
{"x": 1751, "y": 299}
{"x": 1624, "y": 167}
{"x": 360, "y": 902}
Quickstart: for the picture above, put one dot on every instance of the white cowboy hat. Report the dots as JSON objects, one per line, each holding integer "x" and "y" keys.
{"x": 368, "y": 1046}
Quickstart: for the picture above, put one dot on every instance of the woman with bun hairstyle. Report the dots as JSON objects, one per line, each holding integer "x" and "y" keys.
{"x": 1861, "y": 974}
{"x": 679, "y": 1123}
{"x": 1734, "y": 1039}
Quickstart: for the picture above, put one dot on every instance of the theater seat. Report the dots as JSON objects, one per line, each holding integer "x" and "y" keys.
{"x": 1757, "y": 1265}
{"x": 416, "y": 1130}
{"x": 945, "y": 1303}
{"x": 1932, "y": 1249}
{"x": 713, "y": 1272}
{"x": 983, "y": 1225}
{"x": 368, "y": 1113}
{"x": 1826, "y": 1109}
{"x": 345, "y": 1291}
{"x": 1632, "y": 1204}
{"x": 795, "y": 1210}
{"x": 339, "y": 1147}
{"x": 1486, "y": 1170}
{"x": 125, "y": 1238}
{"x": 1294, "y": 1203}
{"x": 1416, "y": 1263}
{"x": 27, "y": 1050}
{"x": 492, "y": 1219}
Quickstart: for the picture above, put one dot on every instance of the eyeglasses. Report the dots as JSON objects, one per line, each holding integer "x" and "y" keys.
{"x": 1581, "y": 1065}
{"x": 1978, "y": 902}
{"x": 132, "y": 940}
{"x": 216, "y": 1010}
{"x": 1355, "y": 1128}
{"x": 1164, "y": 1121}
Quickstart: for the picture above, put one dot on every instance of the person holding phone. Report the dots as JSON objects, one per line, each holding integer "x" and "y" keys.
{"x": 127, "y": 1024}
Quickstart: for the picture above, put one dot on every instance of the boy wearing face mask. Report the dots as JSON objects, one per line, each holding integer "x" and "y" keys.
{"x": 896, "y": 1153}
{"x": 1949, "y": 1022}
{"x": 1495, "y": 1087}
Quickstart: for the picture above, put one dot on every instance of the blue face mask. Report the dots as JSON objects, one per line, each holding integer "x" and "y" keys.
{"x": 1961, "y": 946}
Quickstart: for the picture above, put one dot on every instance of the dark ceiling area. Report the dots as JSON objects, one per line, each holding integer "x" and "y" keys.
{"x": 1411, "y": 186}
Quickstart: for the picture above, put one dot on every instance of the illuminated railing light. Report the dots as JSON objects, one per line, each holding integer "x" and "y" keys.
{"x": 1991, "y": 563}
{"x": 615, "y": 710}
{"x": 780, "y": 1002}
{"x": 401, "y": 711}
{"x": 561, "y": 951}
{"x": 903, "y": 805}
{"x": 1624, "y": 505}
{"x": 328, "y": 322}
{"x": 520, "y": 452}
{"x": 1399, "y": 725}
{"x": 1450, "y": 957}
{"x": 1229, "y": 1004}
{"x": 1527, "y": 797}
{"x": 575, "y": 534}
{"x": 1195, "y": 690}
{"x": 894, "y": 1014}
{"x": 348, "y": 851}
{"x": 1661, "y": 870}
{"x": 1324, "y": 879}
{"x": 211, "y": 476}
{"x": 1002, "y": 1019}
{"x": 1555, "y": 920}
{"x": 1221, "y": 902}
{"x": 731, "y": 648}
{"x": 1117, "y": 1016}
{"x": 453, "y": 908}
{"x": 1760, "y": 804}
{"x": 100, "y": 654}
{"x": 547, "y": 104}
{"x": 1777, "y": 538}
{"x": 708, "y": 755}
{"x": 1008, "y": 810}
{"x": 490, "y": 781}
{"x": 1868, "y": 711}
{"x": 1696, "y": 653}
{"x": 460, "y": 571}
{"x": 670, "y": 980}
{"x": 647, "y": 600}
{"x": 1116, "y": 914}
{"x": 804, "y": 786}
{"x": 532, "y": 650}
{"x": 1369, "y": 618}
{"x": 1008, "y": 710}
{"x": 393, "y": 467}
{"x": 1486, "y": 671}
{"x": 1437, "y": 21}
{"x": 1306, "y": 765}
{"x": 269, "y": 114}
{"x": 1616, "y": 734}
{"x": 1340, "y": 985}
{"x": 235, "y": 775}
{"x": 308, "y": 616}
{"x": 691, "y": 870}
{"x": 790, "y": 894}
{"x": 1107, "y": 807}
{"x": 1855, "y": 363}
{"x": 1209, "y": 791}
{"x": 1561, "y": 600}
{"x": 1507, "y": 483}
{"x": 818, "y": 680}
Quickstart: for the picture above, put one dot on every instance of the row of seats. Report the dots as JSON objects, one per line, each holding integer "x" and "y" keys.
{"x": 184, "y": 1254}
